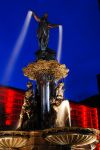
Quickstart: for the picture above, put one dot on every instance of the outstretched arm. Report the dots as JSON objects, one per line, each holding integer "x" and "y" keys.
{"x": 35, "y": 17}
{"x": 53, "y": 25}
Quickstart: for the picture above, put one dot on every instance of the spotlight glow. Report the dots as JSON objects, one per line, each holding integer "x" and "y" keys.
{"x": 17, "y": 48}
{"x": 60, "y": 43}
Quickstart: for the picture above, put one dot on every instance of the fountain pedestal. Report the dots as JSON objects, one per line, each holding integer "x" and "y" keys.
{"x": 45, "y": 72}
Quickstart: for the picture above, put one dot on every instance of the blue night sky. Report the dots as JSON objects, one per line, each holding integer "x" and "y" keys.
{"x": 81, "y": 41}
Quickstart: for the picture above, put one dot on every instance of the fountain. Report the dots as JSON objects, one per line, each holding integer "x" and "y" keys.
{"x": 45, "y": 111}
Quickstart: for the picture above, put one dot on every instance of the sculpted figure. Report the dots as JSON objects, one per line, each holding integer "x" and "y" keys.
{"x": 27, "y": 107}
{"x": 43, "y": 30}
{"x": 60, "y": 108}
{"x": 60, "y": 91}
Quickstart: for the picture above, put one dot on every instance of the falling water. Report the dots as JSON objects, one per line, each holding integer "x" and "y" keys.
{"x": 17, "y": 48}
{"x": 60, "y": 43}
{"x": 69, "y": 115}
{"x": 59, "y": 51}
{"x": 63, "y": 114}
{"x": 47, "y": 96}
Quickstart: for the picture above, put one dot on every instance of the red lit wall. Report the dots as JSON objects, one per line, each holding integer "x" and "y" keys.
{"x": 11, "y": 100}
{"x": 99, "y": 116}
{"x": 98, "y": 147}
{"x": 83, "y": 116}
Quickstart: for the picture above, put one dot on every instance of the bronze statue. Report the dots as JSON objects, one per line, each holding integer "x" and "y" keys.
{"x": 43, "y": 30}
{"x": 59, "y": 108}
{"x": 60, "y": 91}
{"x": 27, "y": 110}
{"x": 59, "y": 94}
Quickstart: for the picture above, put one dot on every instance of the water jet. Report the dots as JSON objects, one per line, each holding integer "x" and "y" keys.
{"x": 17, "y": 48}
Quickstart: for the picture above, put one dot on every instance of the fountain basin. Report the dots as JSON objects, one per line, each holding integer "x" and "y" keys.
{"x": 49, "y": 138}
{"x": 14, "y": 139}
{"x": 71, "y": 136}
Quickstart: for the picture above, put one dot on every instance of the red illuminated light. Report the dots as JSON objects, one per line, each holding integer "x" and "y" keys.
{"x": 8, "y": 122}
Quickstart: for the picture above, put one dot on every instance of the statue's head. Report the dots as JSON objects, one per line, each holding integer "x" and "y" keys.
{"x": 61, "y": 84}
{"x": 29, "y": 84}
{"x": 46, "y": 15}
